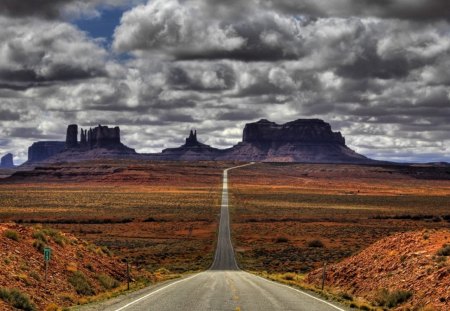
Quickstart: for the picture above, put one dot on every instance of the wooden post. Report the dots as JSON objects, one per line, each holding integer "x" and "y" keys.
{"x": 323, "y": 274}
{"x": 46, "y": 268}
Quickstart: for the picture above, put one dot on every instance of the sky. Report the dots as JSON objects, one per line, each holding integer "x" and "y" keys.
{"x": 376, "y": 70}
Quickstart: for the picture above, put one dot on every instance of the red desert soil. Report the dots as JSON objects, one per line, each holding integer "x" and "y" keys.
{"x": 408, "y": 262}
{"x": 22, "y": 266}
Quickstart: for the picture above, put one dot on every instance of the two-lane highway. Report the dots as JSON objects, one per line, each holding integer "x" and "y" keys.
{"x": 223, "y": 287}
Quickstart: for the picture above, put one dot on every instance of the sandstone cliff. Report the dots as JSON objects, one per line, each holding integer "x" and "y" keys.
{"x": 42, "y": 150}
{"x": 7, "y": 161}
{"x": 303, "y": 140}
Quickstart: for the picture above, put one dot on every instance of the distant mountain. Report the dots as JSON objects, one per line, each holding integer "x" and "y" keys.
{"x": 303, "y": 140}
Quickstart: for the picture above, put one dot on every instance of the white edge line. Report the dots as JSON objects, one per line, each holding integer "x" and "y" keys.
{"x": 297, "y": 290}
{"x": 154, "y": 292}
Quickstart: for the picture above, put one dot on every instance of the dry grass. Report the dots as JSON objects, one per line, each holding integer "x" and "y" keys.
{"x": 156, "y": 214}
{"x": 345, "y": 207}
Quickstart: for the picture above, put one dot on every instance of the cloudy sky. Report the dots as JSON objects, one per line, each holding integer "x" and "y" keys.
{"x": 377, "y": 70}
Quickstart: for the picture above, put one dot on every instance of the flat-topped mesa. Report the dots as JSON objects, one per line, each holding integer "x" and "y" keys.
{"x": 303, "y": 140}
{"x": 299, "y": 131}
{"x": 7, "y": 161}
{"x": 42, "y": 150}
{"x": 99, "y": 137}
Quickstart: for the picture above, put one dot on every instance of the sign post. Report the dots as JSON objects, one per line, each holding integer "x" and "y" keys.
{"x": 47, "y": 255}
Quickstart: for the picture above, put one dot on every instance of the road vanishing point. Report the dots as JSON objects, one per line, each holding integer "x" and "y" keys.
{"x": 223, "y": 287}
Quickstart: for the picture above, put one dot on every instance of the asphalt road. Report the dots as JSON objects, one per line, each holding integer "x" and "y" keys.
{"x": 223, "y": 287}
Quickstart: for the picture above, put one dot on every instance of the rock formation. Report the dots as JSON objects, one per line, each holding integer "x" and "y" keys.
{"x": 192, "y": 150}
{"x": 299, "y": 131}
{"x": 98, "y": 137}
{"x": 303, "y": 140}
{"x": 192, "y": 139}
{"x": 43, "y": 150}
{"x": 72, "y": 136}
{"x": 7, "y": 161}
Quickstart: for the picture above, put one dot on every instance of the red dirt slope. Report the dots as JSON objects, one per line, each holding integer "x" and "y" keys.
{"x": 22, "y": 266}
{"x": 403, "y": 262}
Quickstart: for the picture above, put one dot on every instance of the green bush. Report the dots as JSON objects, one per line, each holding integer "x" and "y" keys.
{"x": 57, "y": 237}
{"x": 17, "y": 299}
{"x": 39, "y": 236}
{"x": 385, "y": 298}
{"x": 81, "y": 284}
{"x": 444, "y": 251}
{"x": 107, "y": 282}
{"x": 11, "y": 234}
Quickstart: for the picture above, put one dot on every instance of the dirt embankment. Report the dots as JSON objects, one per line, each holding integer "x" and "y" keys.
{"x": 77, "y": 270}
{"x": 407, "y": 270}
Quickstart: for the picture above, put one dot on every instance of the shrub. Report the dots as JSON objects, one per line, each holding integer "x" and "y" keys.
{"x": 444, "y": 251}
{"x": 17, "y": 299}
{"x": 289, "y": 276}
{"x": 81, "y": 284}
{"x": 11, "y": 234}
{"x": 281, "y": 239}
{"x": 107, "y": 282}
{"x": 35, "y": 275}
{"x": 315, "y": 243}
{"x": 52, "y": 307}
{"x": 346, "y": 296}
{"x": 39, "y": 245}
{"x": 39, "y": 236}
{"x": 385, "y": 298}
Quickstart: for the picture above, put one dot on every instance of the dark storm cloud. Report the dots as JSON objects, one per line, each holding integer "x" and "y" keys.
{"x": 57, "y": 72}
{"x": 36, "y": 53}
{"x": 217, "y": 77}
{"x": 8, "y": 115}
{"x": 421, "y": 10}
{"x": 239, "y": 115}
{"x": 22, "y": 8}
{"x": 185, "y": 31}
{"x": 55, "y": 9}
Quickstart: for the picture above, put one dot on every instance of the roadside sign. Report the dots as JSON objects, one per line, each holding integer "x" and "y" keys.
{"x": 47, "y": 253}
